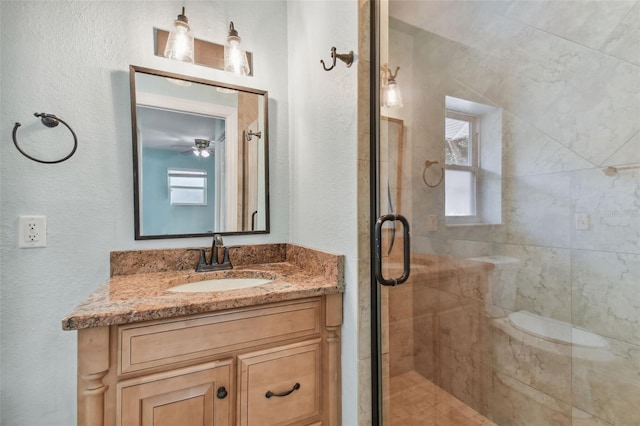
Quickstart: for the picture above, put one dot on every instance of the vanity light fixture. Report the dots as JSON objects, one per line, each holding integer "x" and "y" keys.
{"x": 180, "y": 45}
{"x": 235, "y": 57}
{"x": 180, "y": 42}
{"x": 390, "y": 96}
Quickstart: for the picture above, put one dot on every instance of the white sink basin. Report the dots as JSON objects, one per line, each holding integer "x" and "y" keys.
{"x": 220, "y": 284}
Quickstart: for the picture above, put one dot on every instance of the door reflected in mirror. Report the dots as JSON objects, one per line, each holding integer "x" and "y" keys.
{"x": 200, "y": 156}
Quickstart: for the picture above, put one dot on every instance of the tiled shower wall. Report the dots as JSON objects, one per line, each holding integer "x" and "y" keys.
{"x": 567, "y": 78}
{"x": 438, "y": 326}
{"x": 570, "y": 105}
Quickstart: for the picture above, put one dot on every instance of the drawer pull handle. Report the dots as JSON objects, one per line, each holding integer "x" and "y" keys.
{"x": 269, "y": 394}
{"x": 222, "y": 392}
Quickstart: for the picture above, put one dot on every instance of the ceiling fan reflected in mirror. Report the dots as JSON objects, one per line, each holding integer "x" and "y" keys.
{"x": 200, "y": 148}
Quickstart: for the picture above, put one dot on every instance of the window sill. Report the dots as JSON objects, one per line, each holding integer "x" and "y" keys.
{"x": 478, "y": 224}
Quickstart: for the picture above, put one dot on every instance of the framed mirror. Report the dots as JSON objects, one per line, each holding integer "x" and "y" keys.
{"x": 200, "y": 156}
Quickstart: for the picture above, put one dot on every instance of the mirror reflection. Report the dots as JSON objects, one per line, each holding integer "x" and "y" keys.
{"x": 200, "y": 156}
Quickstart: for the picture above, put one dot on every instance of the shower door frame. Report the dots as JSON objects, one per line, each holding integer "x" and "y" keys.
{"x": 374, "y": 211}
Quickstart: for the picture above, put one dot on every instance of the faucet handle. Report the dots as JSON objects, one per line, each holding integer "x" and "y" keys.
{"x": 226, "y": 258}
{"x": 202, "y": 261}
{"x": 202, "y": 253}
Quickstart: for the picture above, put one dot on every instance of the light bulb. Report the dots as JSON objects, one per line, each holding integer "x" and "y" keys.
{"x": 204, "y": 153}
{"x": 391, "y": 96}
{"x": 235, "y": 58}
{"x": 180, "y": 42}
{"x": 196, "y": 152}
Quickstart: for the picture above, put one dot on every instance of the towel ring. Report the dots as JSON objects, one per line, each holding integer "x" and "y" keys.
{"x": 428, "y": 164}
{"x": 48, "y": 120}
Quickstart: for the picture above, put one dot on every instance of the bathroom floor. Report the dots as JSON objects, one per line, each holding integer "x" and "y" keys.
{"x": 415, "y": 401}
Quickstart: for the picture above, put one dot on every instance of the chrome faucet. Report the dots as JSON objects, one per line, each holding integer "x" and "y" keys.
{"x": 214, "y": 264}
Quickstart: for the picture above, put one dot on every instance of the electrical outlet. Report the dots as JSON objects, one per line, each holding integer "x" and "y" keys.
{"x": 32, "y": 231}
{"x": 583, "y": 221}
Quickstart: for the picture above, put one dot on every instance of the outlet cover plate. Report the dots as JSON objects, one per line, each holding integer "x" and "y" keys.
{"x": 32, "y": 231}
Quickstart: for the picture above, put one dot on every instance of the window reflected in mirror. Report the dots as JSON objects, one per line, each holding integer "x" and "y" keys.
{"x": 187, "y": 187}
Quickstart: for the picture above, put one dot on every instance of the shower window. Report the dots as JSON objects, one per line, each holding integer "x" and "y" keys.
{"x": 473, "y": 163}
{"x": 461, "y": 165}
{"x": 187, "y": 187}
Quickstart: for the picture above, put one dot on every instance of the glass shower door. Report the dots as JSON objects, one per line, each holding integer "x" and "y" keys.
{"x": 431, "y": 310}
{"x": 509, "y": 140}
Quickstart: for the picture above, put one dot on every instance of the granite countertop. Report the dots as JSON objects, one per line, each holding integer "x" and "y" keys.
{"x": 132, "y": 296}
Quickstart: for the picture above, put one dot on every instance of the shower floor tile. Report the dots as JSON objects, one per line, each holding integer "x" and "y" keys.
{"x": 415, "y": 401}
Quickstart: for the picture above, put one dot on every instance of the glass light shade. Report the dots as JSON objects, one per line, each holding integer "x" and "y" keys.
{"x": 235, "y": 57}
{"x": 180, "y": 42}
{"x": 391, "y": 96}
{"x": 204, "y": 153}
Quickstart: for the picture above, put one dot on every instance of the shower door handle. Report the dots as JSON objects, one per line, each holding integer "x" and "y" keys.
{"x": 378, "y": 251}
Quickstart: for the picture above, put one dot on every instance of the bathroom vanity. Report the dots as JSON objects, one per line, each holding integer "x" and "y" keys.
{"x": 265, "y": 355}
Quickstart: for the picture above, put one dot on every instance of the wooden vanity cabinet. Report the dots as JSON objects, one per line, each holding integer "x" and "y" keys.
{"x": 265, "y": 365}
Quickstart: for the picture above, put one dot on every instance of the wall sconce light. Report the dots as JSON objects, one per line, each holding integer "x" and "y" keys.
{"x": 202, "y": 148}
{"x": 390, "y": 95}
{"x": 180, "y": 41}
{"x": 235, "y": 58}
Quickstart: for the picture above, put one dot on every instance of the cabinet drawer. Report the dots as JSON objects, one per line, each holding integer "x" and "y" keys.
{"x": 160, "y": 343}
{"x": 279, "y": 386}
{"x": 187, "y": 397}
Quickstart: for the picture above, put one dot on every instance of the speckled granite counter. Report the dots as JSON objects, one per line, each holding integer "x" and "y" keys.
{"x": 137, "y": 289}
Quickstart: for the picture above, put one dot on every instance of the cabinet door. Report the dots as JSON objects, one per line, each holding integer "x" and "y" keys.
{"x": 193, "y": 396}
{"x": 280, "y": 386}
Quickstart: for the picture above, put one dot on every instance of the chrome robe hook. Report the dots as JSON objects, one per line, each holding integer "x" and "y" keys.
{"x": 347, "y": 58}
{"x": 48, "y": 120}
{"x": 251, "y": 134}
